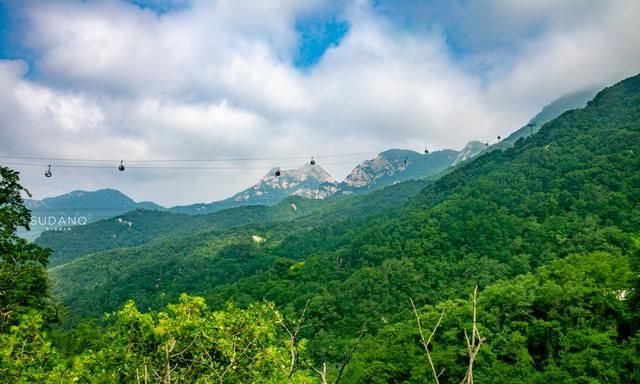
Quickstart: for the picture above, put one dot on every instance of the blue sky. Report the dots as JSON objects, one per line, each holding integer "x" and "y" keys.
{"x": 316, "y": 32}
{"x": 10, "y": 28}
{"x": 286, "y": 78}
{"x": 463, "y": 26}
{"x": 163, "y": 6}
{"x": 319, "y": 31}
{"x": 316, "y": 36}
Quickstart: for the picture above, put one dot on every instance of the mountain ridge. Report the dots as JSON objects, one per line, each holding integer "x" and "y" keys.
{"x": 498, "y": 215}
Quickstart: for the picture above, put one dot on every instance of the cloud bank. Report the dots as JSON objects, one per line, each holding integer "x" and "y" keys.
{"x": 221, "y": 79}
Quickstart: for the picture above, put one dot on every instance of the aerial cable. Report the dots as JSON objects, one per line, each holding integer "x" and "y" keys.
{"x": 329, "y": 155}
{"x": 187, "y": 160}
{"x": 158, "y": 167}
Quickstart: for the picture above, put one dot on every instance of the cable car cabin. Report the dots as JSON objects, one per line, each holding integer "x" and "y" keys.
{"x": 121, "y": 167}
{"x": 278, "y": 172}
{"x": 48, "y": 173}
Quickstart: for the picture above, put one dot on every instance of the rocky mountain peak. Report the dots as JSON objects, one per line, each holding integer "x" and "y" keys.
{"x": 305, "y": 180}
{"x": 471, "y": 150}
{"x": 386, "y": 163}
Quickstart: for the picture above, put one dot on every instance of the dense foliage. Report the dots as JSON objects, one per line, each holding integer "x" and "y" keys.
{"x": 23, "y": 280}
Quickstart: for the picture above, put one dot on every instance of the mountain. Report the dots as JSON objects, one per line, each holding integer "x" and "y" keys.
{"x": 570, "y": 190}
{"x": 78, "y": 208}
{"x": 546, "y": 230}
{"x": 313, "y": 182}
{"x": 549, "y": 112}
{"x": 142, "y": 226}
{"x": 471, "y": 150}
{"x": 310, "y": 181}
{"x": 393, "y": 166}
{"x": 304, "y": 181}
{"x": 152, "y": 226}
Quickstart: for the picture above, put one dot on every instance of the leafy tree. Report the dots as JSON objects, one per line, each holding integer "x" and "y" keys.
{"x": 23, "y": 280}
{"x": 26, "y": 355}
{"x": 188, "y": 343}
{"x": 25, "y": 309}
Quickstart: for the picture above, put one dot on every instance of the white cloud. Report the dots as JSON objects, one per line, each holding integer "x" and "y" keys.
{"x": 215, "y": 80}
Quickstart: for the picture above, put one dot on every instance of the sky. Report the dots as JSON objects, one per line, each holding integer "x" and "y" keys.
{"x": 262, "y": 84}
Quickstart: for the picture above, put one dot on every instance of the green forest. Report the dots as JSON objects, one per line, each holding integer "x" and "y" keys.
{"x": 520, "y": 266}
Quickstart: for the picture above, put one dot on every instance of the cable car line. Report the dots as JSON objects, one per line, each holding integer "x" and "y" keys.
{"x": 159, "y": 167}
{"x": 329, "y": 155}
{"x": 187, "y": 160}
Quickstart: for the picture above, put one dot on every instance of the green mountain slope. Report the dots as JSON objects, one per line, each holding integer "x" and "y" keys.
{"x": 142, "y": 226}
{"x": 565, "y": 323}
{"x": 548, "y": 113}
{"x": 148, "y": 226}
{"x": 177, "y": 260}
{"x": 572, "y": 188}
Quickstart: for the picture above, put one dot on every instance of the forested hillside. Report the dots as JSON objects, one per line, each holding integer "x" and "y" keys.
{"x": 547, "y": 231}
{"x": 148, "y": 226}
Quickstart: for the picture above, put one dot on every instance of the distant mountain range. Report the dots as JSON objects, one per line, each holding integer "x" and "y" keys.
{"x": 309, "y": 181}
{"x": 313, "y": 182}
{"x": 63, "y": 212}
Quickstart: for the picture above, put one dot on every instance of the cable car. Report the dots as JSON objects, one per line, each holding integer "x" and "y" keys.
{"x": 426, "y": 151}
{"x": 278, "y": 173}
{"x": 405, "y": 160}
{"x": 499, "y": 138}
{"x": 313, "y": 162}
{"x": 48, "y": 173}
{"x": 121, "y": 167}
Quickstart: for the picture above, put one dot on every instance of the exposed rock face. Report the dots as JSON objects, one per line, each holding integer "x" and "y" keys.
{"x": 310, "y": 181}
{"x": 394, "y": 166}
{"x": 471, "y": 150}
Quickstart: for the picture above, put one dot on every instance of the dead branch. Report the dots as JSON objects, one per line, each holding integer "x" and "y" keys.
{"x": 473, "y": 346}
{"x": 322, "y": 373}
{"x": 426, "y": 343}
{"x": 293, "y": 338}
{"x": 351, "y": 352}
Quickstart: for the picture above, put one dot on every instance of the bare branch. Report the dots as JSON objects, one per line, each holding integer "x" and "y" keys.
{"x": 473, "y": 346}
{"x": 293, "y": 337}
{"x": 322, "y": 373}
{"x": 425, "y": 343}
{"x": 353, "y": 350}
